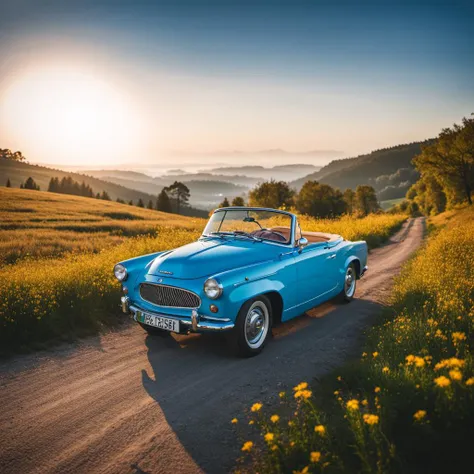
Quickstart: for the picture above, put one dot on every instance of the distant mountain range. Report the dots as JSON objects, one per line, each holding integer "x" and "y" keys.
{"x": 365, "y": 169}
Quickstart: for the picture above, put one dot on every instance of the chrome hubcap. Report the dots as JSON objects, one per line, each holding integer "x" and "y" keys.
{"x": 256, "y": 324}
{"x": 350, "y": 282}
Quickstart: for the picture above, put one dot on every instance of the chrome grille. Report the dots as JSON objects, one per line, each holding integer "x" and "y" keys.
{"x": 170, "y": 296}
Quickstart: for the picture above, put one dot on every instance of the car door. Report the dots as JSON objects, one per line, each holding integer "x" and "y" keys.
{"x": 316, "y": 270}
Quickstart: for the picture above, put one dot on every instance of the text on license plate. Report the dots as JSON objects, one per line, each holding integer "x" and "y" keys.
{"x": 161, "y": 323}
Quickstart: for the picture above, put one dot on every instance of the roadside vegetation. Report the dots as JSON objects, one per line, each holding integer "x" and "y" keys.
{"x": 58, "y": 252}
{"x": 406, "y": 404}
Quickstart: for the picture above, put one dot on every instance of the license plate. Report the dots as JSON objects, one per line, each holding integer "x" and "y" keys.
{"x": 160, "y": 322}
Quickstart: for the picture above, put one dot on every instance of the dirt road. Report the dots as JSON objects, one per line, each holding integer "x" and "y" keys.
{"x": 128, "y": 402}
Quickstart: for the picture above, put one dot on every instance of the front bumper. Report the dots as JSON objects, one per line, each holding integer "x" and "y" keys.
{"x": 195, "y": 323}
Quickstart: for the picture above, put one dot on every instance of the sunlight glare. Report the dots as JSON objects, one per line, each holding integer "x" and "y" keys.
{"x": 71, "y": 117}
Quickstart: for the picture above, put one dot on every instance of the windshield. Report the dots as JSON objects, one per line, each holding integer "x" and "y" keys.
{"x": 251, "y": 224}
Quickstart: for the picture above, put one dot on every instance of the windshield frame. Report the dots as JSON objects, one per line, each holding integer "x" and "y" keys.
{"x": 292, "y": 242}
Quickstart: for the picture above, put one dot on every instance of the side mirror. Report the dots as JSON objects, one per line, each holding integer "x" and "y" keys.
{"x": 303, "y": 242}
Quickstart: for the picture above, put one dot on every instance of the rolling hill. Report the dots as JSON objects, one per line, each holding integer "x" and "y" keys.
{"x": 45, "y": 224}
{"x": 365, "y": 169}
{"x": 18, "y": 172}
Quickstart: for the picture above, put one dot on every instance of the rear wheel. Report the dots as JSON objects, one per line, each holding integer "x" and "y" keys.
{"x": 253, "y": 327}
{"x": 154, "y": 331}
{"x": 350, "y": 278}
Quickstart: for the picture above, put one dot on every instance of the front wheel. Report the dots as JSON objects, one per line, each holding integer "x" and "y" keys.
{"x": 252, "y": 327}
{"x": 350, "y": 278}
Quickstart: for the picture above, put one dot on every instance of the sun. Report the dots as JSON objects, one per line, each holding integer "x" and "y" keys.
{"x": 68, "y": 116}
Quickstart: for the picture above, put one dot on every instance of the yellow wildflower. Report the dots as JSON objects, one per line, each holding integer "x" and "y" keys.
{"x": 274, "y": 447}
{"x": 339, "y": 378}
{"x": 458, "y": 337}
{"x": 470, "y": 381}
{"x": 336, "y": 392}
{"x": 371, "y": 419}
{"x": 269, "y": 437}
{"x": 353, "y": 404}
{"x": 451, "y": 363}
{"x": 251, "y": 422}
{"x": 234, "y": 421}
{"x": 364, "y": 354}
{"x": 292, "y": 443}
{"x": 303, "y": 471}
{"x": 320, "y": 429}
{"x": 281, "y": 394}
{"x": 455, "y": 374}
{"x": 274, "y": 418}
{"x": 247, "y": 446}
{"x": 377, "y": 389}
{"x": 419, "y": 415}
{"x": 315, "y": 456}
{"x": 375, "y": 354}
{"x": 256, "y": 407}
{"x": 365, "y": 402}
{"x": 303, "y": 394}
{"x": 301, "y": 386}
{"x": 442, "y": 381}
{"x": 385, "y": 370}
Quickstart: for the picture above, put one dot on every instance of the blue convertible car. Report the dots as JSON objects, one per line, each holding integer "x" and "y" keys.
{"x": 251, "y": 269}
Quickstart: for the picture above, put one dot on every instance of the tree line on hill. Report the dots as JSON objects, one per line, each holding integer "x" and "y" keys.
{"x": 446, "y": 168}
{"x": 6, "y": 154}
{"x": 314, "y": 199}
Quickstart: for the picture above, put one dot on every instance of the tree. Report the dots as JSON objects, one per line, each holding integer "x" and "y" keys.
{"x": 130, "y": 203}
{"x": 120, "y": 201}
{"x": 105, "y": 196}
{"x": 273, "y": 194}
{"x": 30, "y": 183}
{"x": 451, "y": 159}
{"x": 9, "y": 184}
{"x": 163, "y": 203}
{"x": 53, "y": 186}
{"x": 6, "y": 154}
{"x": 428, "y": 195}
{"x": 140, "y": 203}
{"x": 150, "y": 204}
{"x": 366, "y": 200}
{"x": 180, "y": 193}
{"x": 320, "y": 200}
{"x": 224, "y": 203}
{"x": 238, "y": 201}
{"x": 349, "y": 199}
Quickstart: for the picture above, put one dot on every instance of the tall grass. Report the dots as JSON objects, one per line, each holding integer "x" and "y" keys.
{"x": 407, "y": 405}
{"x": 42, "y": 224}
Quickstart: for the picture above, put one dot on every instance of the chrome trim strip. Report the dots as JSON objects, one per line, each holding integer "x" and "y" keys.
{"x": 311, "y": 299}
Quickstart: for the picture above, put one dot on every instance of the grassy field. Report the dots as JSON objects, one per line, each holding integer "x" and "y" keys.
{"x": 42, "y": 224}
{"x": 407, "y": 404}
{"x": 66, "y": 288}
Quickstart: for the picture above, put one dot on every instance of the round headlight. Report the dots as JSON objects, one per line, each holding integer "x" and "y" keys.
{"x": 212, "y": 288}
{"x": 120, "y": 272}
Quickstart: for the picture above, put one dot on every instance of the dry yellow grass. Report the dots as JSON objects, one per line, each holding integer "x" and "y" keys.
{"x": 42, "y": 224}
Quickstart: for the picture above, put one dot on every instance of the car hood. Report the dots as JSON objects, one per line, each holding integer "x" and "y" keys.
{"x": 209, "y": 257}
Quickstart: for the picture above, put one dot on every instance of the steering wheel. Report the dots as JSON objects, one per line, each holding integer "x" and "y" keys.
{"x": 281, "y": 236}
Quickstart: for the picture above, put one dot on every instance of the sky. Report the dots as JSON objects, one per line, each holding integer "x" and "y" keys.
{"x": 180, "y": 83}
